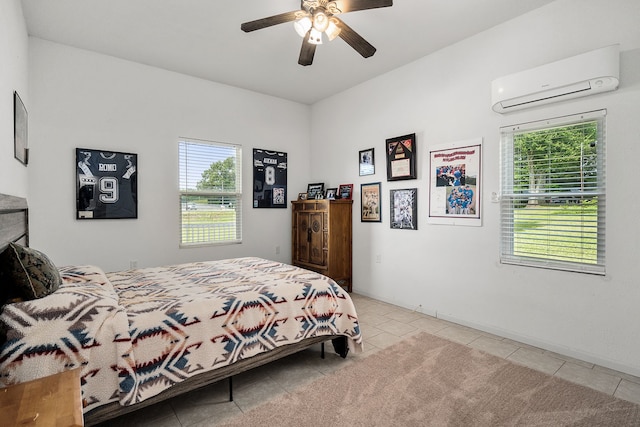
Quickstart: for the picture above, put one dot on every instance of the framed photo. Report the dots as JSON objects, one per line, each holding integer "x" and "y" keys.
{"x": 345, "y": 191}
{"x": 404, "y": 209}
{"x": 401, "y": 157}
{"x": 106, "y": 184}
{"x": 331, "y": 193}
{"x": 370, "y": 209}
{"x": 455, "y": 183}
{"x": 269, "y": 179}
{"x": 367, "y": 162}
{"x": 302, "y": 196}
{"x": 315, "y": 191}
{"x": 20, "y": 147}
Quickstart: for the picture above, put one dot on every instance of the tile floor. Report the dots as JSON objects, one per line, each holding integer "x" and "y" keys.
{"x": 382, "y": 325}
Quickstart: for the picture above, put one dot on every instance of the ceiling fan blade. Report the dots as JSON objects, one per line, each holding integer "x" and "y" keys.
{"x": 355, "y": 40}
{"x": 270, "y": 21}
{"x": 307, "y": 51}
{"x": 353, "y": 5}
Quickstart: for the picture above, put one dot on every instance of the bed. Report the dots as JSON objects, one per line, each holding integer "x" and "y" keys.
{"x": 142, "y": 336}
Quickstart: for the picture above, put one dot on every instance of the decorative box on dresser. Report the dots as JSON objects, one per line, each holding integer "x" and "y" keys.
{"x": 321, "y": 238}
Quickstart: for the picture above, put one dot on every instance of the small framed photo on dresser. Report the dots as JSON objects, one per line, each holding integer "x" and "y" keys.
{"x": 315, "y": 191}
{"x": 345, "y": 191}
{"x": 331, "y": 193}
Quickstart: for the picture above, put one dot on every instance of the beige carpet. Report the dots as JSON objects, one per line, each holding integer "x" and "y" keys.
{"x": 429, "y": 381}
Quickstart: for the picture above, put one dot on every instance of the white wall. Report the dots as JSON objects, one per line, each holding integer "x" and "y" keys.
{"x": 13, "y": 77}
{"x": 453, "y": 271}
{"x": 83, "y": 99}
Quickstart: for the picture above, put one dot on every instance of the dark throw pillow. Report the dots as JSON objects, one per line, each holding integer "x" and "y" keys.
{"x": 27, "y": 273}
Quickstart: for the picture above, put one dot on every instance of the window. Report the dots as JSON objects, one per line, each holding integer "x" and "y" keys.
{"x": 210, "y": 192}
{"x": 553, "y": 193}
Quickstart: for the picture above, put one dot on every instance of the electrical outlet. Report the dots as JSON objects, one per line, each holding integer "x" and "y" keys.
{"x": 378, "y": 259}
{"x": 277, "y": 250}
{"x": 133, "y": 264}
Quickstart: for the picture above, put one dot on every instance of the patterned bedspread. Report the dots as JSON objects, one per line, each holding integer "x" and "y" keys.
{"x": 136, "y": 333}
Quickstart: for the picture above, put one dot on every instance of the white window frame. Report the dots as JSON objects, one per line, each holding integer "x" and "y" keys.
{"x": 511, "y": 198}
{"x": 195, "y": 156}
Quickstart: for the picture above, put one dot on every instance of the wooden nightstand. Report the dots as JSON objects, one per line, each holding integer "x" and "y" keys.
{"x": 50, "y": 401}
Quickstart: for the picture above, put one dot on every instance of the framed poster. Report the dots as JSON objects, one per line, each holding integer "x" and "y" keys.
{"x": 404, "y": 209}
{"x": 106, "y": 184}
{"x": 401, "y": 157}
{"x": 20, "y": 147}
{"x": 455, "y": 183}
{"x": 366, "y": 161}
{"x": 370, "y": 210}
{"x": 269, "y": 179}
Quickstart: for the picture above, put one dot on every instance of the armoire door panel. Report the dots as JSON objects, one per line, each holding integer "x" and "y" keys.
{"x": 316, "y": 238}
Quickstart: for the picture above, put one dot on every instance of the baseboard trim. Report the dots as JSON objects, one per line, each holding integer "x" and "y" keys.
{"x": 532, "y": 341}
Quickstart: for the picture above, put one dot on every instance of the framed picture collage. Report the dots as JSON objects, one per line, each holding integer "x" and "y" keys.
{"x": 453, "y": 177}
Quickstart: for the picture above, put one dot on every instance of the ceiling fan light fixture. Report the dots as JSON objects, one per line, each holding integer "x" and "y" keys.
{"x": 332, "y": 30}
{"x": 320, "y": 16}
{"x": 320, "y": 20}
{"x": 315, "y": 36}
{"x": 302, "y": 26}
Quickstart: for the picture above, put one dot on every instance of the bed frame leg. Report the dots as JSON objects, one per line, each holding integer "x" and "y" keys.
{"x": 230, "y": 389}
{"x": 341, "y": 346}
{"x": 322, "y": 350}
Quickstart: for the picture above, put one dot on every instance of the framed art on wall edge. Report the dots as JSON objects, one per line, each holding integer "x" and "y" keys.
{"x": 20, "y": 147}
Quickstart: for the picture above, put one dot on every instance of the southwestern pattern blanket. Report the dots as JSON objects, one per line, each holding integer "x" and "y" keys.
{"x": 136, "y": 333}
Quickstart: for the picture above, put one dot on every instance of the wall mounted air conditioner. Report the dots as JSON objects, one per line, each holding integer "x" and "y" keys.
{"x": 581, "y": 75}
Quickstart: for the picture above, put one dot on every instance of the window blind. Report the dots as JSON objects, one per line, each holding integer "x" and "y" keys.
{"x": 210, "y": 192}
{"x": 552, "y": 206}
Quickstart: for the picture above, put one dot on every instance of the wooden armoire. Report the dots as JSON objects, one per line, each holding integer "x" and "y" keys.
{"x": 321, "y": 238}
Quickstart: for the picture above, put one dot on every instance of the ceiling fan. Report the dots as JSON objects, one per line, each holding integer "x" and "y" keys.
{"x": 319, "y": 16}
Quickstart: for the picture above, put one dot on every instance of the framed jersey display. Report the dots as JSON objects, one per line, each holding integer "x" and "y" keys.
{"x": 269, "y": 179}
{"x": 106, "y": 184}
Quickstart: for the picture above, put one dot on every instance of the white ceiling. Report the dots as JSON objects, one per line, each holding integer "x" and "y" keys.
{"x": 202, "y": 38}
